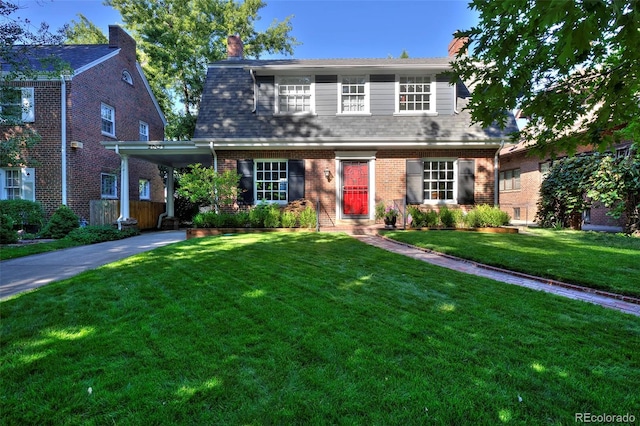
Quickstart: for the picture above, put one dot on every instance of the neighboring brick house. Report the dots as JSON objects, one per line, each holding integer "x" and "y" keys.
{"x": 106, "y": 97}
{"x": 348, "y": 133}
{"x": 522, "y": 173}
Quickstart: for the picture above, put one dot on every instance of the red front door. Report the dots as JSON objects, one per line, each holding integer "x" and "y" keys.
{"x": 355, "y": 188}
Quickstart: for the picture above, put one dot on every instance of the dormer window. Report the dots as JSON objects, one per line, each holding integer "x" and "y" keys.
{"x": 126, "y": 77}
{"x": 415, "y": 95}
{"x": 353, "y": 95}
{"x": 294, "y": 95}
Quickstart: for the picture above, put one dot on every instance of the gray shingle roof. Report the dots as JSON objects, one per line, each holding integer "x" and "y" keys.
{"x": 40, "y": 58}
{"x": 226, "y": 112}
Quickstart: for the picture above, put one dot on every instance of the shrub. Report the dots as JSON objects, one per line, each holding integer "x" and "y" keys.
{"x": 483, "y": 216}
{"x": 289, "y": 220}
{"x": 99, "y": 234}
{"x": 63, "y": 221}
{"x": 241, "y": 220}
{"x": 272, "y": 218}
{"x": 450, "y": 217}
{"x": 214, "y": 220}
{"x": 308, "y": 218}
{"x": 258, "y": 215}
{"x": 23, "y": 212}
{"x": 7, "y": 234}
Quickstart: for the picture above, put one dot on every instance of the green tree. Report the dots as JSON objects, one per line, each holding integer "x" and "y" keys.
{"x": 576, "y": 183}
{"x": 573, "y": 66}
{"x": 563, "y": 192}
{"x": 205, "y": 186}
{"x": 616, "y": 184}
{"x": 180, "y": 38}
{"x": 84, "y": 31}
{"x": 18, "y": 40}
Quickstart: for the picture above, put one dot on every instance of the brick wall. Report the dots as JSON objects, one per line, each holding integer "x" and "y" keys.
{"x": 526, "y": 198}
{"x": 390, "y": 173}
{"x": 84, "y": 94}
{"x": 103, "y": 84}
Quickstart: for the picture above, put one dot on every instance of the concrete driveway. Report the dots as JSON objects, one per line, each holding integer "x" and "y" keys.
{"x": 30, "y": 272}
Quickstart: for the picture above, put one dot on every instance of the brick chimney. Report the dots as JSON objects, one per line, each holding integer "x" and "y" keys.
{"x": 455, "y": 46}
{"x": 235, "y": 48}
{"x": 118, "y": 38}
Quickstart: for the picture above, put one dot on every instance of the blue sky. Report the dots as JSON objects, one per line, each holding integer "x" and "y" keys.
{"x": 326, "y": 28}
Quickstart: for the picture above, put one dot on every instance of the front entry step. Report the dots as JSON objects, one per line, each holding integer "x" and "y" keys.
{"x": 355, "y": 222}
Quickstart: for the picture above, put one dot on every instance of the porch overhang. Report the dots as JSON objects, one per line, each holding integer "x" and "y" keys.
{"x": 178, "y": 154}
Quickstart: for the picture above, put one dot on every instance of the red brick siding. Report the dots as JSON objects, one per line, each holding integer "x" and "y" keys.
{"x": 390, "y": 173}
{"x": 85, "y": 93}
{"x": 526, "y": 198}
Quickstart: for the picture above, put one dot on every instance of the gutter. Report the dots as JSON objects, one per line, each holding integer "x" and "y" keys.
{"x": 255, "y": 90}
{"x": 496, "y": 175}
{"x": 215, "y": 169}
{"x": 63, "y": 137}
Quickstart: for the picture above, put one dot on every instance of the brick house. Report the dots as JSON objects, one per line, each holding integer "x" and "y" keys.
{"x": 347, "y": 133}
{"x": 521, "y": 174}
{"x": 105, "y": 96}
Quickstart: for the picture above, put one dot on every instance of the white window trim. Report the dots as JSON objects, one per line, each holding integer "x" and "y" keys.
{"x": 367, "y": 103}
{"x": 455, "y": 181}
{"x": 146, "y": 194}
{"x": 312, "y": 100}
{"x": 255, "y": 180}
{"x": 27, "y": 183}
{"x": 26, "y": 103}
{"x": 126, "y": 77}
{"x": 432, "y": 112}
{"x": 115, "y": 187}
{"x": 113, "y": 121}
{"x": 140, "y": 124}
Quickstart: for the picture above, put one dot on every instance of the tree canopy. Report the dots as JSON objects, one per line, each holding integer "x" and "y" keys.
{"x": 571, "y": 66}
{"x": 179, "y": 38}
{"x": 84, "y": 31}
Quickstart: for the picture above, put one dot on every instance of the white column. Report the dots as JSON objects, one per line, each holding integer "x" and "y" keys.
{"x": 170, "y": 190}
{"x": 124, "y": 189}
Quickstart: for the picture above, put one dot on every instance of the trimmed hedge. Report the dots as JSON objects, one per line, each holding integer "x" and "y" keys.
{"x": 99, "y": 234}
{"x": 23, "y": 212}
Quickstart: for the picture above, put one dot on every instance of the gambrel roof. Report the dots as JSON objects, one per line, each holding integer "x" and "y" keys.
{"x": 237, "y": 105}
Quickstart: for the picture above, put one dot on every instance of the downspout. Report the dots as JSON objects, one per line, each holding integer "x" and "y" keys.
{"x": 63, "y": 137}
{"x": 496, "y": 175}
{"x": 119, "y": 221}
{"x": 255, "y": 91}
{"x": 215, "y": 169}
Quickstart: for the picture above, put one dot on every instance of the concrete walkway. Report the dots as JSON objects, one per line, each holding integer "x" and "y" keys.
{"x": 608, "y": 300}
{"x": 30, "y": 272}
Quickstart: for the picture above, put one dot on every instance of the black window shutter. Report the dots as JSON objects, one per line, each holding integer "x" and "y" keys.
{"x": 245, "y": 170}
{"x": 415, "y": 182}
{"x": 466, "y": 179}
{"x": 296, "y": 180}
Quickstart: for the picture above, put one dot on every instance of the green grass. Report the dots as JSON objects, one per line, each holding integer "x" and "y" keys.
{"x": 14, "y": 251}
{"x": 609, "y": 262}
{"x": 306, "y": 328}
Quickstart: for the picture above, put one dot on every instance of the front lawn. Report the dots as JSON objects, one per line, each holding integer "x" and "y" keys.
{"x": 306, "y": 328}
{"x": 609, "y": 262}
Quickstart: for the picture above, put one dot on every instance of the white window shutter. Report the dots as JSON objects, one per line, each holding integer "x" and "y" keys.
{"x": 28, "y": 105}
{"x": 28, "y": 190}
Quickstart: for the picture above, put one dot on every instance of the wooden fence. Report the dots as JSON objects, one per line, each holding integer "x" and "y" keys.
{"x": 106, "y": 212}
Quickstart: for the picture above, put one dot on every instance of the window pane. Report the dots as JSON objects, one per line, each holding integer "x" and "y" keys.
{"x": 439, "y": 180}
{"x": 271, "y": 185}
